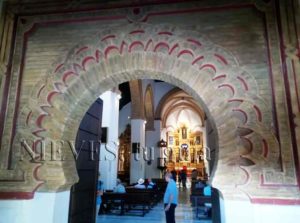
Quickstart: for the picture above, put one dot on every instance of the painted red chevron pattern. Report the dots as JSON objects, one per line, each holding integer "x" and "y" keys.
{"x": 89, "y": 56}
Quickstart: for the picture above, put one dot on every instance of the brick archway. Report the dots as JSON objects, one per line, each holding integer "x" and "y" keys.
{"x": 183, "y": 58}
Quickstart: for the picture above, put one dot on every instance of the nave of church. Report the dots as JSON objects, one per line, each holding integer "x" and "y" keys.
{"x": 184, "y": 213}
{"x": 170, "y": 135}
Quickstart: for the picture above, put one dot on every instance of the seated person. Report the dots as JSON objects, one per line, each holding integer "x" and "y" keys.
{"x": 146, "y": 183}
{"x": 150, "y": 184}
{"x": 200, "y": 185}
{"x": 120, "y": 187}
{"x": 140, "y": 184}
{"x": 207, "y": 192}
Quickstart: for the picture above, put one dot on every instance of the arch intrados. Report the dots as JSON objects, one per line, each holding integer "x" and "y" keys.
{"x": 110, "y": 82}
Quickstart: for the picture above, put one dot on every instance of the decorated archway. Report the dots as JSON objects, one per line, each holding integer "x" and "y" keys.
{"x": 228, "y": 94}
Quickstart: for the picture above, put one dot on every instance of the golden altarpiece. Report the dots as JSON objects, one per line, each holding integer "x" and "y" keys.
{"x": 185, "y": 151}
{"x": 124, "y": 154}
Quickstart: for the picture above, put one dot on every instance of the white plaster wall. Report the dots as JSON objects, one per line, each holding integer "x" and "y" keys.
{"x": 137, "y": 166}
{"x": 44, "y": 207}
{"x": 245, "y": 212}
{"x": 124, "y": 117}
{"x": 160, "y": 89}
{"x": 54, "y": 207}
{"x": 109, "y": 151}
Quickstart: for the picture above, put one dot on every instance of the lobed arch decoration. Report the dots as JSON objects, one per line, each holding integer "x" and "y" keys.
{"x": 211, "y": 75}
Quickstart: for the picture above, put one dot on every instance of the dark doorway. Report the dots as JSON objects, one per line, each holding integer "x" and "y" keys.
{"x": 83, "y": 197}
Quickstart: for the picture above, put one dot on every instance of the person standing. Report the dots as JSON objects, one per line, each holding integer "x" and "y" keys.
{"x": 183, "y": 177}
{"x": 174, "y": 175}
{"x": 207, "y": 192}
{"x": 99, "y": 195}
{"x": 170, "y": 198}
{"x": 120, "y": 187}
{"x": 194, "y": 175}
{"x": 140, "y": 184}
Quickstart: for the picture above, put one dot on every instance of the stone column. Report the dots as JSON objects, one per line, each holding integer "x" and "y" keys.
{"x": 137, "y": 162}
{"x": 108, "y": 165}
{"x": 152, "y": 138}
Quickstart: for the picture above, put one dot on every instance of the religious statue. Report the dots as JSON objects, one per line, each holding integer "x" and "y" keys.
{"x": 185, "y": 152}
{"x": 183, "y": 133}
{"x": 170, "y": 155}
{"x": 121, "y": 160}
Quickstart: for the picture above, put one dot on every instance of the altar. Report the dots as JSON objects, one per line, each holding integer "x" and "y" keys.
{"x": 185, "y": 151}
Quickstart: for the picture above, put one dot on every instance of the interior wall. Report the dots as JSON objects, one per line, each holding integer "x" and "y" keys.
{"x": 246, "y": 212}
{"x": 254, "y": 36}
{"x": 211, "y": 143}
{"x": 152, "y": 138}
{"x": 45, "y": 207}
{"x": 124, "y": 117}
{"x": 160, "y": 89}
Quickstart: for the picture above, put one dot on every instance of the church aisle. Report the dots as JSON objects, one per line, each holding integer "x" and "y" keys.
{"x": 184, "y": 213}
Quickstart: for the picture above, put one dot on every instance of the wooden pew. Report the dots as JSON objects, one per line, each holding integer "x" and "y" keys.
{"x": 138, "y": 202}
{"x": 154, "y": 194}
{"x": 198, "y": 201}
{"x": 110, "y": 200}
{"x": 128, "y": 202}
{"x": 161, "y": 186}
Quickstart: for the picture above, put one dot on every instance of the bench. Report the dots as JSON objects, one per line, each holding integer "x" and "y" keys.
{"x": 127, "y": 202}
{"x": 112, "y": 200}
{"x": 154, "y": 194}
{"x": 199, "y": 201}
{"x": 138, "y": 202}
{"x": 161, "y": 186}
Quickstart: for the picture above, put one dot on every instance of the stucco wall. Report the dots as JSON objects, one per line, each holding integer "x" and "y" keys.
{"x": 250, "y": 33}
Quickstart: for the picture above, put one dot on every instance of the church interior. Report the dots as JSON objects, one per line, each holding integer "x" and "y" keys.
{"x": 100, "y": 100}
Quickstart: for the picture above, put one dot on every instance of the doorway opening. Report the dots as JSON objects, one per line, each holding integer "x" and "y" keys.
{"x": 146, "y": 112}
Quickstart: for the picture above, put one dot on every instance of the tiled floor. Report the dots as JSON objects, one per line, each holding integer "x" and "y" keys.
{"x": 183, "y": 214}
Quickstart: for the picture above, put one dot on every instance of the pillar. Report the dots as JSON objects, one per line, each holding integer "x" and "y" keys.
{"x": 152, "y": 138}
{"x": 137, "y": 162}
{"x": 108, "y": 165}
